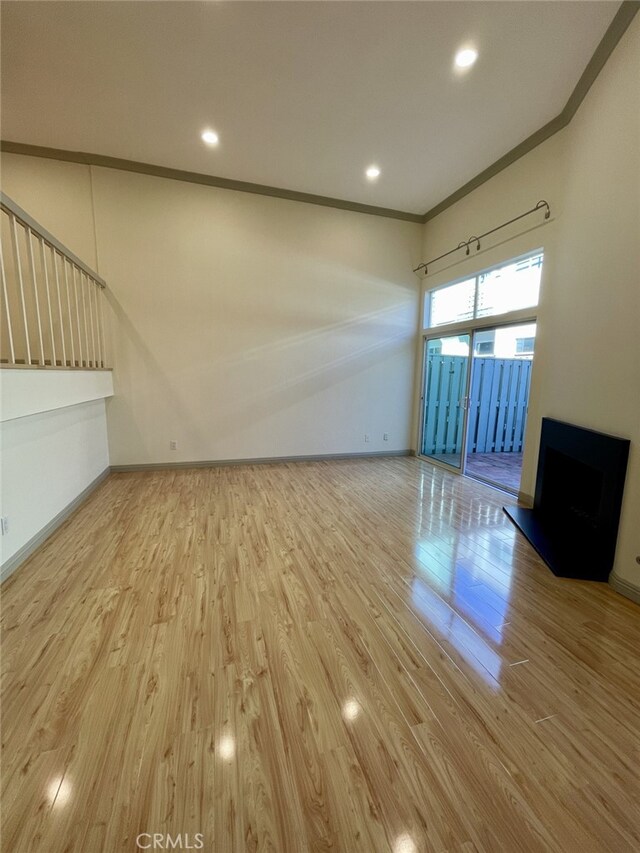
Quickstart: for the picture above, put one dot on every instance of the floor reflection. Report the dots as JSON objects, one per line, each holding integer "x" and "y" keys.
{"x": 59, "y": 792}
{"x": 227, "y": 747}
{"x": 487, "y": 610}
{"x": 464, "y": 562}
{"x": 404, "y": 844}
{"x": 350, "y": 710}
{"x": 476, "y": 651}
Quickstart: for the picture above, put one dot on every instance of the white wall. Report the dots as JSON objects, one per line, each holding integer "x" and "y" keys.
{"x": 252, "y": 327}
{"x": 246, "y": 326}
{"x": 48, "y": 457}
{"x": 29, "y": 392}
{"x": 58, "y": 196}
{"x": 53, "y": 435}
{"x": 587, "y": 363}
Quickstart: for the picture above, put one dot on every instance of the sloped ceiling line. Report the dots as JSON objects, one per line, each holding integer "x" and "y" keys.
{"x": 605, "y": 48}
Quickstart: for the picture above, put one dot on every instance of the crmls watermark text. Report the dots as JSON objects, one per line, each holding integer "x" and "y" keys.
{"x": 162, "y": 841}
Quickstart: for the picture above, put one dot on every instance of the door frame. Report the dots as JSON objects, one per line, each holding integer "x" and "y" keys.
{"x": 467, "y": 327}
{"x": 432, "y": 335}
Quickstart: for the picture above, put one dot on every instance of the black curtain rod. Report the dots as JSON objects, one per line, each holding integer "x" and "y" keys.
{"x": 473, "y": 239}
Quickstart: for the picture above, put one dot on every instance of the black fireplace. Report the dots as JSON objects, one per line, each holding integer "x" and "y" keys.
{"x": 574, "y": 521}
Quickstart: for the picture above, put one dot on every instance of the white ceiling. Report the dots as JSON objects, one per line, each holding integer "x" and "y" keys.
{"x": 304, "y": 95}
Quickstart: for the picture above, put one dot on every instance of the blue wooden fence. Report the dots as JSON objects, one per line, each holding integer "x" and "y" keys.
{"x": 498, "y": 401}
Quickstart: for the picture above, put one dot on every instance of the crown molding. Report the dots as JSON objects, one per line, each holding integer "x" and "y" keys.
{"x": 198, "y": 178}
{"x": 605, "y": 48}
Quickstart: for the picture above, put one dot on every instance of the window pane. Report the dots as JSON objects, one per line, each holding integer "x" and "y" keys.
{"x": 515, "y": 341}
{"x": 484, "y": 342}
{"x": 525, "y": 345}
{"x": 451, "y": 304}
{"x": 510, "y": 287}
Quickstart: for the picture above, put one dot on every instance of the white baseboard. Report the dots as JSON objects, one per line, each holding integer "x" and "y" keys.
{"x": 624, "y": 588}
{"x": 261, "y": 460}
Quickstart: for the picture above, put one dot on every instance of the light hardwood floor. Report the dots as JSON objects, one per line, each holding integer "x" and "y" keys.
{"x": 347, "y": 656}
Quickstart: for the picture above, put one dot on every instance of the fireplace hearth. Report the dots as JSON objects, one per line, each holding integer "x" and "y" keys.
{"x": 579, "y": 485}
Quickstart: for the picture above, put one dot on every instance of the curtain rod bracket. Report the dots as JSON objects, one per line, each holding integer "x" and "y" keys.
{"x": 543, "y": 203}
{"x": 473, "y": 239}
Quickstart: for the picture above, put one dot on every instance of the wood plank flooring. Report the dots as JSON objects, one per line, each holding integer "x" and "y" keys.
{"x": 335, "y": 656}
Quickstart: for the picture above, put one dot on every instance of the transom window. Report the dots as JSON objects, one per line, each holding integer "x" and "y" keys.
{"x": 508, "y": 287}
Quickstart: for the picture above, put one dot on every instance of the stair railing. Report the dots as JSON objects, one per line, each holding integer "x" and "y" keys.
{"x": 51, "y": 302}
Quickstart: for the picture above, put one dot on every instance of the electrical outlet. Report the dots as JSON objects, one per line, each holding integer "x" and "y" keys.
{"x": 4, "y": 525}
{"x": 385, "y": 437}
{"x": 173, "y": 444}
{"x": 367, "y": 438}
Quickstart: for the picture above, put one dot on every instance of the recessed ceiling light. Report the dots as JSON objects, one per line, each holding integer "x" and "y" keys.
{"x": 210, "y": 137}
{"x": 466, "y": 57}
{"x": 372, "y": 173}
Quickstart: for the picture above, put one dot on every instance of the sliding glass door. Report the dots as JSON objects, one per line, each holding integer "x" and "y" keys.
{"x": 475, "y": 401}
{"x": 445, "y": 393}
{"x": 477, "y": 370}
{"x": 499, "y": 403}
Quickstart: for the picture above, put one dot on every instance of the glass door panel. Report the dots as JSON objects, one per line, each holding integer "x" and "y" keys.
{"x": 445, "y": 376}
{"x": 499, "y": 403}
